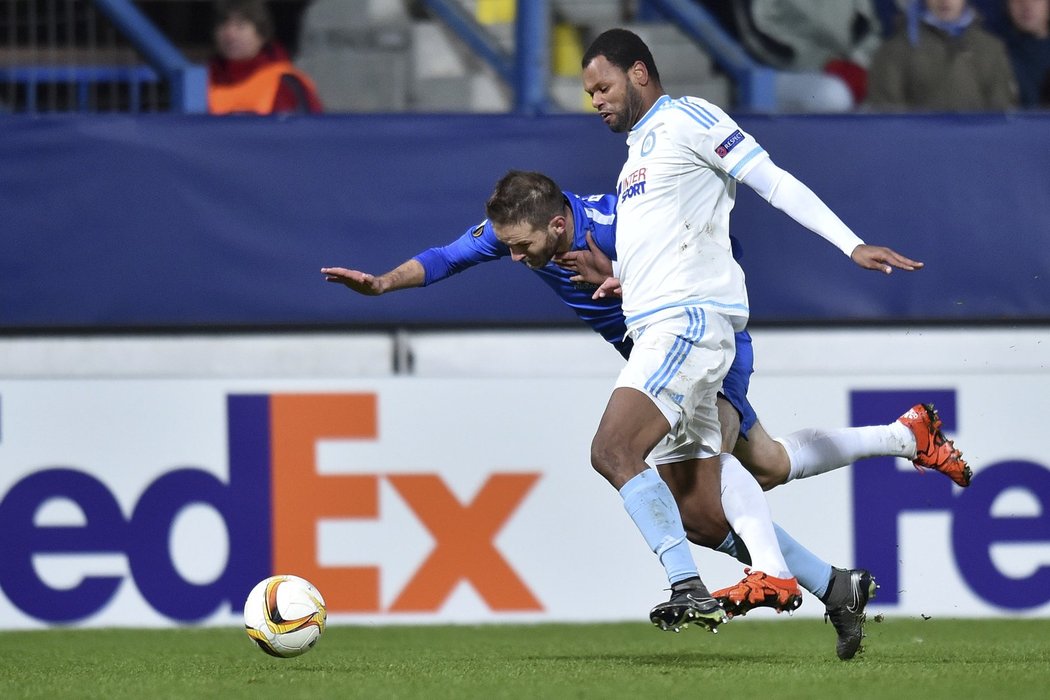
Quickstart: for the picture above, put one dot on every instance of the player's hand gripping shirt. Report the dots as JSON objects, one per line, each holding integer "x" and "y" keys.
{"x": 675, "y": 193}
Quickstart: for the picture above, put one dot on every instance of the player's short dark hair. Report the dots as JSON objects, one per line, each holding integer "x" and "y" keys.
{"x": 622, "y": 48}
{"x": 524, "y": 197}
{"x": 255, "y": 11}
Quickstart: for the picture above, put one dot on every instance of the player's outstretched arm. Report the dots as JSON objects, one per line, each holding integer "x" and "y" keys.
{"x": 408, "y": 274}
{"x": 877, "y": 257}
{"x": 785, "y": 192}
{"x": 592, "y": 266}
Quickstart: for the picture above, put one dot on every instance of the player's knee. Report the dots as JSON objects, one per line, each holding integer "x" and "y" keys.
{"x": 601, "y": 457}
{"x": 777, "y": 468}
{"x": 609, "y": 460}
{"x": 768, "y": 480}
{"x": 765, "y": 458}
{"x": 703, "y": 530}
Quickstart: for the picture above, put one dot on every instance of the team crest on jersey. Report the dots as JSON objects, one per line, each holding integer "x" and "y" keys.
{"x": 478, "y": 230}
{"x": 729, "y": 144}
{"x": 649, "y": 143}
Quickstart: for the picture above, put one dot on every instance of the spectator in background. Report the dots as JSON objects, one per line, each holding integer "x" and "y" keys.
{"x": 942, "y": 59}
{"x": 1028, "y": 42}
{"x": 837, "y": 37}
{"x": 251, "y": 71}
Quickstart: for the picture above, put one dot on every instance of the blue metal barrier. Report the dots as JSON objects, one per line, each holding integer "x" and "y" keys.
{"x": 527, "y": 69}
{"x": 189, "y": 82}
{"x": 756, "y": 84}
{"x": 83, "y": 77}
{"x": 532, "y": 67}
{"x": 477, "y": 39}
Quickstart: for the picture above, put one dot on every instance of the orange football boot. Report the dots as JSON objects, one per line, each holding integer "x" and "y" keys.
{"x": 758, "y": 590}
{"x": 932, "y": 449}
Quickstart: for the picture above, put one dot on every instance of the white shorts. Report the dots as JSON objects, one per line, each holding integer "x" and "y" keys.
{"x": 679, "y": 363}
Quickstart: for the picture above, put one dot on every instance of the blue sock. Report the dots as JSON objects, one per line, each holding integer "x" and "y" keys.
{"x": 812, "y": 572}
{"x": 650, "y": 504}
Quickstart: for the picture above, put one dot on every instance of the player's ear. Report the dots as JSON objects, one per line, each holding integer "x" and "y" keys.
{"x": 558, "y": 224}
{"x": 639, "y": 73}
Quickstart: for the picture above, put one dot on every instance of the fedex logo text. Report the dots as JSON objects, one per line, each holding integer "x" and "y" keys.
{"x": 271, "y": 507}
{"x": 882, "y": 493}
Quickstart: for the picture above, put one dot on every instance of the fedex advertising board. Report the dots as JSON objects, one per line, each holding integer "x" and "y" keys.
{"x": 159, "y": 502}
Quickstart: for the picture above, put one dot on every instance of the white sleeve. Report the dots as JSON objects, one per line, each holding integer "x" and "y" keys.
{"x": 784, "y": 191}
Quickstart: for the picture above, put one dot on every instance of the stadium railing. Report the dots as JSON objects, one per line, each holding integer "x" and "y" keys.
{"x": 755, "y": 83}
{"x": 184, "y": 83}
{"x": 525, "y": 68}
{"x": 526, "y": 71}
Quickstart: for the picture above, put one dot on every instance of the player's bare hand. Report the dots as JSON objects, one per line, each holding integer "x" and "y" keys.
{"x": 609, "y": 288}
{"x": 591, "y": 265}
{"x": 882, "y": 259}
{"x": 360, "y": 282}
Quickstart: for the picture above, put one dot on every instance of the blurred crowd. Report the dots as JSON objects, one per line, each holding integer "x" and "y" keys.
{"x": 834, "y": 55}
{"x": 904, "y": 55}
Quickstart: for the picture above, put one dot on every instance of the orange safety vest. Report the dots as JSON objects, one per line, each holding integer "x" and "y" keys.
{"x": 256, "y": 93}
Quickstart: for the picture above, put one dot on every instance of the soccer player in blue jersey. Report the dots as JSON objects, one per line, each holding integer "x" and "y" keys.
{"x": 683, "y": 300}
{"x": 578, "y": 233}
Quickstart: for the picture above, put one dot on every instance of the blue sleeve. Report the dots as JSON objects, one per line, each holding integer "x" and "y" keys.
{"x": 478, "y": 244}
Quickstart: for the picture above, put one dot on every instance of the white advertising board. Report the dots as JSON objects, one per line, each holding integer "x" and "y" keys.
{"x": 139, "y": 502}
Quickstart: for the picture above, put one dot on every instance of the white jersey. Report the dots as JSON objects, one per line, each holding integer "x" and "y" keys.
{"x": 675, "y": 193}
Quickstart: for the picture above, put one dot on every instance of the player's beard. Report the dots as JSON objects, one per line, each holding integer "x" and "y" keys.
{"x": 549, "y": 251}
{"x": 631, "y": 113}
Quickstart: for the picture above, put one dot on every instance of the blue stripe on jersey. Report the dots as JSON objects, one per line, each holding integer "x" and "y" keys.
{"x": 693, "y": 111}
{"x": 687, "y": 302}
{"x": 708, "y": 113}
{"x": 699, "y": 108}
{"x": 679, "y": 351}
{"x": 756, "y": 151}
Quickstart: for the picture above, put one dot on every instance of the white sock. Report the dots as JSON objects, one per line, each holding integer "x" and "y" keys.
{"x": 748, "y": 515}
{"x": 815, "y": 451}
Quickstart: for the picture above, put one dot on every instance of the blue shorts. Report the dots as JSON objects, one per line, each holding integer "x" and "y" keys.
{"x": 734, "y": 386}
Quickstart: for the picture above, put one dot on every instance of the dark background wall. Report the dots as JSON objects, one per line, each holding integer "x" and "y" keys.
{"x": 168, "y": 222}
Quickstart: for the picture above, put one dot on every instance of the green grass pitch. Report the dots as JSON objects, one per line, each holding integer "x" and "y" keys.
{"x": 753, "y": 658}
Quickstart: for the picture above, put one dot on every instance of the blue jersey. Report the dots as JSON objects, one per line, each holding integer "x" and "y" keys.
{"x": 595, "y": 215}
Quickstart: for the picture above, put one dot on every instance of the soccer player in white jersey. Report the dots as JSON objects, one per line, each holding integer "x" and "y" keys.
{"x": 683, "y": 299}
{"x": 567, "y": 241}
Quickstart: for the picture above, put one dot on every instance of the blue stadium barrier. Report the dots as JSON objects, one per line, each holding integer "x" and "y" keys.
{"x": 755, "y": 83}
{"x": 177, "y": 222}
{"x": 189, "y": 82}
{"x": 84, "y": 78}
{"x": 526, "y": 69}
